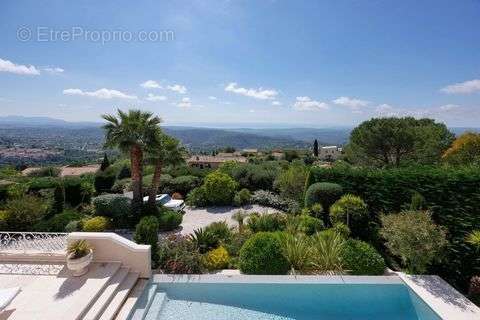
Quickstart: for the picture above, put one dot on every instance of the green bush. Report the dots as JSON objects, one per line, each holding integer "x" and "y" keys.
{"x": 184, "y": 184}
{"x": 267, "y": 222}
{"x": 77, "y": 190}
{"x": 451, "y": 194}
{"x": 242, "y": 197}
{"x": 216, "y": 259}
{"x": 197, "y": 197}
{"x": 95, "y": 224}
{"x": 146, "y": 232}
{"x": 114, "y": 206}
{"x": 262, "y": 254}
{"x": 45, "y": 172}
{"x": 36, "y": 184}
{"x": 178, "y": 255}
{"x": 306, "y": 224}
{"x": 253, "y": 176}
{"x": 272, "y": 200}
{"x": 220, "y": 230}
{"x": 325, "y": 193}
{"x": 58, "y": 222}
{"x": 169, "y": 220}
{"x": 219, "y": 188}
{"x": 414, "y": 237}
{"x": 72, "y": 226}
{"x": 352, "y": 211}
{"x": 58, "y": 199}
{"x": 22, "y": 213}
{"x": 120, "y": 186}
{"x": 360, "y": 258}
{"x": 124, "y": 172}
{"x": 104, "y": 180}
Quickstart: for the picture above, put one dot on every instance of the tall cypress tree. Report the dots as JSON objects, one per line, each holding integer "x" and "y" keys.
{"x": 105, "y": 163}
{"x": 315, "y": 148}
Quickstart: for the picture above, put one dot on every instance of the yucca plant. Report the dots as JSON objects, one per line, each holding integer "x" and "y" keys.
{"x": 202, "y": 239}
{"x": 78, "y": 249}
{"x": 474, "y": 239}
{"x": 297, "y": 250}
{"x": 327, "y": 252}
{"x": 239, "y": 217}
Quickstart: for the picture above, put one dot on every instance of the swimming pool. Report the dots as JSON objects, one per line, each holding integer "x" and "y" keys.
{"x": 290, "y": 300}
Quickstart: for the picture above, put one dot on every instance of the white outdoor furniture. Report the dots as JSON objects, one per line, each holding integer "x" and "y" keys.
{"x": 7, "y": 295}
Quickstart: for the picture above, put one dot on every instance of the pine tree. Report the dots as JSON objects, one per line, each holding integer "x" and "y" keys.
{"x": 315, "y": 148}
{"x": 105, "y": 163}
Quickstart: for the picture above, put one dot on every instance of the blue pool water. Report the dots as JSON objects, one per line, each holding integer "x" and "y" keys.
{"x": 241, "y": 301}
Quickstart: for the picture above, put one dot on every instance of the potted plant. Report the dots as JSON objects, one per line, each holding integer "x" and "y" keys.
{"x": 79, "y": 256}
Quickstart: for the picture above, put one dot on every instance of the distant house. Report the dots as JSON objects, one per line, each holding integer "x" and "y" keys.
{"x": 329, "y": 153}
{"x": 68, "y": 170}
{"x": 213, "y": 162}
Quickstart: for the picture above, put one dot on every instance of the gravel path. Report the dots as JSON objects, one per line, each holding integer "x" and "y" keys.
{"x": 195, "y": 218}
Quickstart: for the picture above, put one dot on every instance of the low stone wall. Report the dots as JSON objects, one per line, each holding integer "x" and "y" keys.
{"x": 110, "y": 247}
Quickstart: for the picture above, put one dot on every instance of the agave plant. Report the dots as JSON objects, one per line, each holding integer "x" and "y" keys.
{"x": 202, "y": 239}
{"x": 297, "y": 250}
{"x": 327, "y": 252}
{"x": 78, "y": 249}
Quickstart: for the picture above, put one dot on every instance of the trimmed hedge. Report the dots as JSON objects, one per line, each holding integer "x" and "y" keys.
{"x": 360, "y": 258}
{"x": 451, "y": 194}
{"x": 262, "y": 254}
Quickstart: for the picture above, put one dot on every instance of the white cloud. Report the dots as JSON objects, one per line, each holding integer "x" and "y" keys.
{"x": 212, "y": 98}
{"x": 463, "y": 87}
{"x": 100, "y": 94}
{"x": 449, "y": 107}
{"x": 276, "y": 103}
{"x": 185, "y": 103}
{"x": 53, "y": 70}
{"x": 151, "y": 84}
{"x": 350, "y": 102}
{"x": 153, "y": 98}
{"x": 178, "y": 88}
{"x": 385, "y": 110}
{"x": 8, "y": 66}
{"x": 260, "y": 93}
{"x": 307, "y": 104}
{"x": 251, "y": 111}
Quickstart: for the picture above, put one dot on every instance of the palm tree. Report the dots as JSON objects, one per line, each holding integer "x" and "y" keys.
{"x": 167, "y": 152}
{"x": 132, "y": 132}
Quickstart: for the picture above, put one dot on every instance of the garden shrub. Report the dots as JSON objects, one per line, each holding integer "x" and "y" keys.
{"x": 120, "y": 186}
{"x": 104, "y": 180}
{"x": 124, "y": 173}
{"x": 58, "y": 199}
{"x": 272, "y": 200}
{"x": 184, "y": 184}
{"x": 452, "y": 194}
{"x": 360, "y": 258}
{"x": 242, "y": 197}
{"x": 169, "y": 220}
{"x": 306, "y": 224}
{"x": 72, "y": 226}
{"x": 291, "y": 182}
{"x": 22, "y": 213}
{"x": 197, "y": 197}
{"x": 178, "y": 255}
{"x": 474, "y": 290}
{"x": 352, "y": 211}
{"x": 36, "y": 184}
{"x": 266, "y": 222}
{"x": 114, "y": 206}
{"x": 262, "y": 254}
{"x": 216, "y": 259}
{"x": 342, "y": 229}
{"x": 325, "y": 193}
{"x": 95, "y": 224}
{"x": 219, "y": 188}
{"x": 414, "y": 237}
{"x": 58, "y": 222}
{"x": 77, "y": 190}
{"x": 45, "y": 172}
{"x": 220, "y": 231}
{"x": 146, "y": 232}
{"x": 253, "y": 176}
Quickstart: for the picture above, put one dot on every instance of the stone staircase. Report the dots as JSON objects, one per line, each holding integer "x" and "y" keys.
{"x": 112, "y": 296}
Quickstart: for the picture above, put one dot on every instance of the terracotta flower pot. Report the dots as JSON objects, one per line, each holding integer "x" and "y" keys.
{"x": 79, "y": 266}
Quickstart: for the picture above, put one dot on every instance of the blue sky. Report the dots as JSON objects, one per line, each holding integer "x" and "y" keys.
{"x": 299, "y": 63}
